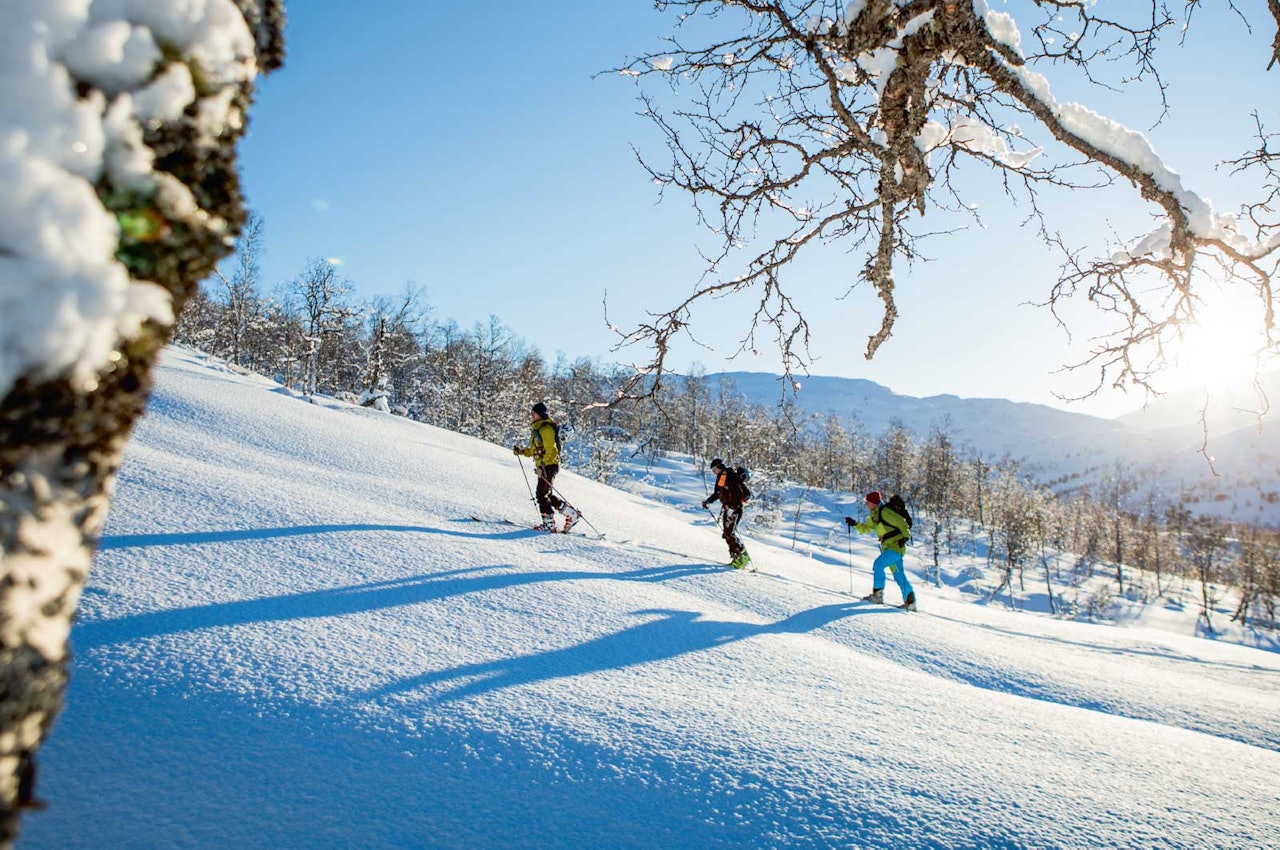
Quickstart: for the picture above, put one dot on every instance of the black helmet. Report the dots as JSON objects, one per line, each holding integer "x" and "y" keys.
{"x": 541, "y": 409}
{"x": 717, "y": 463}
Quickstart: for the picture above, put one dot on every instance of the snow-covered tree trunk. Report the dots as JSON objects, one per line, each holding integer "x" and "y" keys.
{"x": 118, "y": 193}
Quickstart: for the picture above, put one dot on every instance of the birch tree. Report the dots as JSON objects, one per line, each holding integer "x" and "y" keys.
{"x": 241, "y": 303}
{"x": 939, "y": 493}
{"x": 118, "y": 192}
{"x": 321, "y": 297}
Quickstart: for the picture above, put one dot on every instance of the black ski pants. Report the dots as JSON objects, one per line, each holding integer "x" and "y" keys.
{"x": 730, "y": 516}
{"x": 547, "y": 500}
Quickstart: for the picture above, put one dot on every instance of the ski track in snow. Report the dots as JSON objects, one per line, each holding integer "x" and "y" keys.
{"x": 296, "y": 636}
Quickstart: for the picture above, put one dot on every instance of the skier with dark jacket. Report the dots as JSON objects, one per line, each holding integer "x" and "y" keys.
{"x": 544, "y": 448}
{"x": 893, "y": 528}
{"x": 731, "y": 493}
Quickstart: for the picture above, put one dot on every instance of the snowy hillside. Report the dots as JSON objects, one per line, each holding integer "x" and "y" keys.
{"x": 296, "y": 636}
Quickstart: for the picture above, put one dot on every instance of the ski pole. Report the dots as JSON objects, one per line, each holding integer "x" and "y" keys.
{"x": 714, "y": 518}
{"x": 849, "y": 532}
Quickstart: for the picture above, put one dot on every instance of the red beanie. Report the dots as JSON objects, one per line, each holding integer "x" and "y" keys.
{"x": 873, "y": 498}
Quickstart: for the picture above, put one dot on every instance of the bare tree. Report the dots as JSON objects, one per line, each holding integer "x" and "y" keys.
{"x": 804, "y": 123}
{"x": 1250, "y": 569}
{"x": 1013, "y": 527}
{"x": 121, "y": 232}
{"x": 896, "y": 460}
{"x": 392, "y": 345}
{"x": 1115, "y": 492}
{"x": 240, "y": 288}
{"x": 498, "y": 396}
{"x": 939, "y": 489}
{"x": 981, "y": 470}
{"x": 1206, "y": 547}
{"x": 320, "y": 295}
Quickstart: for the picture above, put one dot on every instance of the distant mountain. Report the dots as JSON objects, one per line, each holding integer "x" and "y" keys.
{"x": 1237, "y": 473}
{"x": 993, "y": 427}
{"x": 1235, "y": 404}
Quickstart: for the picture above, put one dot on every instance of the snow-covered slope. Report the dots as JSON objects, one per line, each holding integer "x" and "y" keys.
{"x": 295, "y": 636}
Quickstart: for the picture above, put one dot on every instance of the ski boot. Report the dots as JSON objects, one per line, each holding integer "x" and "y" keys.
{"x": 876, "y": 596}
{"x": 571, "y": 515}
{"x": 909, "y": 604}
{"x": 548, "y": 524}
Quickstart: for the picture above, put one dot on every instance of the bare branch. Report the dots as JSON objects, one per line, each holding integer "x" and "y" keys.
{"x": 817, "y": 123}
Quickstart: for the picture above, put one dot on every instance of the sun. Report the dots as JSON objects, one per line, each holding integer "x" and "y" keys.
{"x": 1224, "y": 348}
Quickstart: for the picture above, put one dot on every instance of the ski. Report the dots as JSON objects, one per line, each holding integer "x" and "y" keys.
{"x": 511, "y": 522}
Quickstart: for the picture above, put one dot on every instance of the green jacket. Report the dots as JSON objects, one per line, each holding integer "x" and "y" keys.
{"x": 542, "y": 444}
{"x": 889, "y": 526}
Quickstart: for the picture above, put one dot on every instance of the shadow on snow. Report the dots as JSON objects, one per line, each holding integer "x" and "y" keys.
{"x": 669, "y": 635}
{"x": 196, "y": 538}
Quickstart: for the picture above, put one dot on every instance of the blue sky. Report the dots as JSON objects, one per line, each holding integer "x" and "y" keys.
{"x": 480, "y": 152}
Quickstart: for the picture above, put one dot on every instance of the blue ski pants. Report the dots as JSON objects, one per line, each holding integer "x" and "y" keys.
{"x": 890, "y": 558}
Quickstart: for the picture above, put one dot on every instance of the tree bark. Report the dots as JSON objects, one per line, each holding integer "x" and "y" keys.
{"x": 62, "y": 438}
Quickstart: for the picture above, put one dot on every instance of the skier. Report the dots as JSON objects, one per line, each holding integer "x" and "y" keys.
{"x": 890, "y": 522}
{"x": 544, "y": 448}
{"x": 730, "y": 491}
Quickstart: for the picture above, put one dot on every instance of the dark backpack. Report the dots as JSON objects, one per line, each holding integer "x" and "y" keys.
{"x": 899, "y": 507}
{"x": 735, "y": 489}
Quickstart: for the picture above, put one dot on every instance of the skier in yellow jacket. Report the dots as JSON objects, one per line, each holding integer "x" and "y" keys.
{"x": 544, "y": 448}
{"x": 892, "y": 526}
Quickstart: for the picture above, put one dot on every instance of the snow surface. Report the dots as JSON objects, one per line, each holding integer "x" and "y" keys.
{"x": 295, "y": 636}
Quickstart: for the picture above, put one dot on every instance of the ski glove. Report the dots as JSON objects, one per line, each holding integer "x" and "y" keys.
{"x": 706, "y": 503}
{"x": 850, "y": 521}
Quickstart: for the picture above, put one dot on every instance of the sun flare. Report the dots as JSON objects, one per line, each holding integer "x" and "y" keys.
{"x": 1223, "y": 348}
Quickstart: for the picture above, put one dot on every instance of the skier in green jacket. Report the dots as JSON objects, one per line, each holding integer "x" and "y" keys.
{"x": 544, "y": 448}
{"x": 892, "y": 525}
